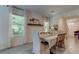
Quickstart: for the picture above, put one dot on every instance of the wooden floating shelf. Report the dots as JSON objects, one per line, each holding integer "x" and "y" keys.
{"x": 34, "y": 24}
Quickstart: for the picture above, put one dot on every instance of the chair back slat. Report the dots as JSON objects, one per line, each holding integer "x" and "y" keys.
{"x": 61, "y": 39}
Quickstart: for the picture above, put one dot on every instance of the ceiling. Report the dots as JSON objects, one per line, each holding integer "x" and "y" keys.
{"x": 49, "y": 9}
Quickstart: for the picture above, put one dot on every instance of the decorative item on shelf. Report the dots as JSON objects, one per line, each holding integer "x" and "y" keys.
{"x": 34, "y": 21}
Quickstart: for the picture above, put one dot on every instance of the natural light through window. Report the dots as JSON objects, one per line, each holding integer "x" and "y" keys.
{"x": 17, "y": 25}
{"x": 46, "y": 26}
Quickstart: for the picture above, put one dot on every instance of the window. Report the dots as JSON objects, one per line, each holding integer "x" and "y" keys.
{"x": 46, "y": 26}
{"x": 17, "y": 25}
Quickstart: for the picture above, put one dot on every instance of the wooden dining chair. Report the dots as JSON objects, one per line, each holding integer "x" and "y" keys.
{"x": 76, "y": 34}
{"x": 59, "y": 43}
{"x": 60, "y": 40}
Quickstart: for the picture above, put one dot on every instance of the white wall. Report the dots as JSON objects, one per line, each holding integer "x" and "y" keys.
{"x": 73, "y": 25}
{"x": 55, "y": 18}
{"x": 31, "y": 28}
{"x": 4, "y": 27}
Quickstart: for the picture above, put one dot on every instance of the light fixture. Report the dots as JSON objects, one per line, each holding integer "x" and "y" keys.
{"x": 52, "y": 11}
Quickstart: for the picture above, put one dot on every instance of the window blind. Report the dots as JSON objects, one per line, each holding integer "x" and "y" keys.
{"x": 17, "y": 11}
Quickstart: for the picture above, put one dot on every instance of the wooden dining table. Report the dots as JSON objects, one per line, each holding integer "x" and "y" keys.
{"x": 51, "y": 39}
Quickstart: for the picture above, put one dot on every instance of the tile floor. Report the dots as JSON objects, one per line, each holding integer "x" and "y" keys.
{"x": 72, "y": 47}
{"x": 23, "y": 49}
